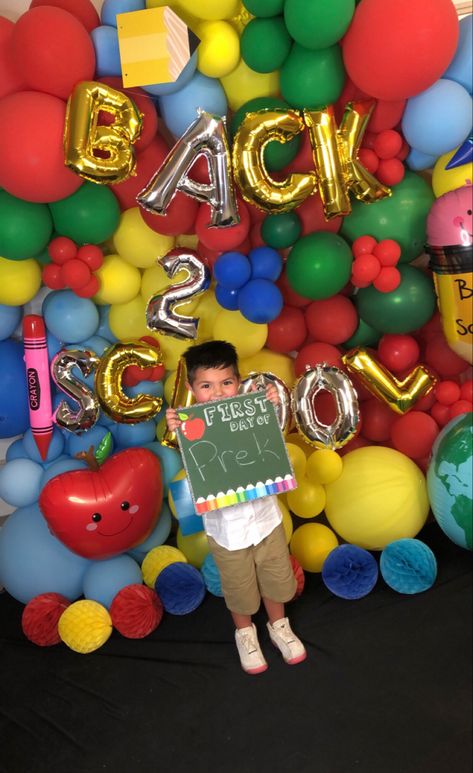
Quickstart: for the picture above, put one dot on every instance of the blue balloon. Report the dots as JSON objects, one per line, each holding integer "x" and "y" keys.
{"x": 157, "y": 537}
{"x": 32, "y": 561}
{"x": 77, "y": 443}
{"x": 171, "y": 462}
{"x": 55, "y": 449}
{"x": 104, "y": 579}
{"x": 350, "y": 572}
{"x": 110, "y": 8}
{"x": 266, "y": 263}
{"x": 103, "y": 329}
{"x": 232, "y": 270}
{"x": 16, "y": 450}
{"x": 162, "y": 89}
{"x": 96, "y": 343}
{"x": 418, "y": 161}
{"x": 54, "y": 345}
{"x": 461, "y": 66}
{"x": 179, "y": 110}
{"x": 180, "y": 587}
{"x": 107, "y": 52}
{"x": 133, "y": 435}
{"x": 228, "y": 299}
{"x": 14, "y": 415}
{"x": 59, "y": 466}
{"x": 10, "y": 318}
{"x": 408, "y": 566}
{"x": 20, "y": 482}
{"x": 69, "y": 317}
{"x": 438, "y": 119}
{"x": 154, "y": 388}
{"x": 260, "y": 301}
{"x": 211, "y": 576}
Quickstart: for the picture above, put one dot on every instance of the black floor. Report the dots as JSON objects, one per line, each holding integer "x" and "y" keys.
{"x": 386, "y": 688}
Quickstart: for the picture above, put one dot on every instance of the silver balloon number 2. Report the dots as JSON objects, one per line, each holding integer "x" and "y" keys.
{"x": 161, "y": 313}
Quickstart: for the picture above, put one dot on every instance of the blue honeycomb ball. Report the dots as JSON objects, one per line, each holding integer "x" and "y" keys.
{"x": 408, "y": 566}
{"x": 180, "y": 587}
{"x": 350, "y": 572}
{"x": 211, "y": 576}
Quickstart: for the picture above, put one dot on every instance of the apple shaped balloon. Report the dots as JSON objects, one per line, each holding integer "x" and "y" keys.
{"x": 102, "y": 512}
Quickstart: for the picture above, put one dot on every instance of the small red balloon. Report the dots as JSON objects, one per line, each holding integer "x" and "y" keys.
{"x": 387, "y": 114}
{"x": 363, "y": 245}
{"x": 390, "y": 171}
{"x": 414, "y": 433}
{"x": 441, "y": 414}
{"x": 387, "y": 144}
{"x": 91, "y": 255}
{"x": 398, "y": 352}
{"x": 75, "y": 274}
{"x": 52, "y": 277}
{"x": 443, "y": 359}
{"x": 388, "y": 252}
{"x": 369, "y": 160}
{"x": 332, "y": 320}
{"x": 287, "y": 332}
{"x": 460, "y": 407}
{"x": 365, "y": 269}
{"x": 89, "y": 290}
{"x": 447, "y": 392}
{"x": 314, "y": 354}
{"x": 466, "y": 391}
{"x": 388, "y": 279}
{"x": 378, "y": 419}
{"x": 61, "y": 249}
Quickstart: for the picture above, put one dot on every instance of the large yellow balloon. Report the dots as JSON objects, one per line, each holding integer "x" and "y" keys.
{"x": 137, "y": 243}
{"x": 243, "y": 84}
{"x": 219, "y": 50}
{"x": 194, "y": 546}
{"x": 128, "y": 320}
{"x": 266, "y": 361}
{"x": 247, "y": 337}
{"x": 311, "y": 543}
{"x": 308, "y": 499}
{"x": 445, "y": 180}
{"x": 119, "y": 281}
{"x": 380, "y": 496}
{"x": 20, "y": 280}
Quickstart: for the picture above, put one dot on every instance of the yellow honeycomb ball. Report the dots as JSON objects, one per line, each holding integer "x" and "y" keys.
{"x": 137, "y": 243}
{"x": 311, "y": 543}
{"x": 20, "y": 280}
{"x": 85, "y": 626}
{"x": 157, "y": 559}
{"x": 324, "y": 466}
{"x": 119, "y": 281}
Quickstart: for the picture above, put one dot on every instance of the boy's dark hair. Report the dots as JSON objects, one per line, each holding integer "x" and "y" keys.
{"x": 211, "y": 354}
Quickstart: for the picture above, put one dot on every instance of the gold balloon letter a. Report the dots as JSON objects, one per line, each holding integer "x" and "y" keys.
{"x": 101, "y": 154}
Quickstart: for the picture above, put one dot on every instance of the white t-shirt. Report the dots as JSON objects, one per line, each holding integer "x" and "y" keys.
{"x": 239, "y": 526}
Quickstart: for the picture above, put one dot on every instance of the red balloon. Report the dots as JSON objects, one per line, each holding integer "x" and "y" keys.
{"x": 377, "y": 419}
{"x": 447, "y": 392}
{"x": 443, "y": 359}
{"x": 431, "y": 328}
{"x": 91, "y": 255}
{"x": 386, "y": 115}
{"x": 414, "y": 433}
{"x": 398, "y": 352}
{"x": 75, "y": 274}
{"x": 395, "y": 49}
{"x": 10, "y": 78}
{"x": 404, "y": 152}
{"x": 325, "y": 407}
{"x": 388, "y": 252}
{"x": 52, "y": 277}
{"x": 256, "y": 215}
{"x": 90, "y": 289}
{"x": 332, "y": 320}
{"x": 460, "y": 407}
{"x": 365, "y": 269}
{"x": 179, "y": 218}
{"x": 466, "y": 391}
{"x": 287, "y": 332}
{"x": 145, "y": 105}
{"x": 363, "y": 245}
{"x": 390, "y": 171}
{"x": 222, "y": 238}
{"x": 426, "y": 402}
{"x": 357, "y": 442}
{"x": 387, "y": 144}
{"x": 31, "y": 148}
{"x": 147, "y": 163}
{"x": 61, "y": 249}
{"x": 314, "y": 354}
{"x": 255, "y": 235}
{"x": 369, "y": 159}
{"x": 387, "y": 280}
{"x": 81, "y": 9}
{"x": 303, "y": 162}
{"x": 291, "y": 298}
{"x": 312, "y": 216}
{"x": 441, "y": 414}
{"x": 52, "y": 50}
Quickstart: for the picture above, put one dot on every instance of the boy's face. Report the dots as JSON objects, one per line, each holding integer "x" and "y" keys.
{"x": 214, "y": 384}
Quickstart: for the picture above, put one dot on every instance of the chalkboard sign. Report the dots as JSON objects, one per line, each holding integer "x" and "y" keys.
{"x": 233, "y": 451}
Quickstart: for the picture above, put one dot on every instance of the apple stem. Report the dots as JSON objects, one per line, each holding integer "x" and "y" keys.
{"x": 89, "y": 458}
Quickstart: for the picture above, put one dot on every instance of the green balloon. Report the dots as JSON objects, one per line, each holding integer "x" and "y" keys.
{"x": 402, "y": 216}
{"x": 364, "y": 335}
{"x": 89, "y": 216}
{"x": 281, "y": 231}
{"x": 318, "y": 25}
{"x": 403, "y": 310}
{"x": 311, "y": 79}
{"x": 265, "y": 8}
{"x": 319, "y": 265}
{"x": 276, "y": 155}
{"x": 25, "y": 228}
{"x": 265, "y": 44}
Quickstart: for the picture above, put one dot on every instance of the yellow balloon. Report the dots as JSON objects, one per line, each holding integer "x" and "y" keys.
{"x": 128, "y": 320}
{"x": 194, "y": 546}
{"x": 307, "y": 500}
{"x": 324, "y": 466}
{"x": 187, "y": 240}
{"x": 208, "y": 9}
{"x": 119, "y": 281}
{"x": 169, "y": 386}
{"x": 267, "y": 361}
{"x": 297, "y": 458}
{"x": 85, "y": 626}
{"x": 247, "y": 337}
{"x": 243, "y": 84}
{"x": 155, "y": 279}
{"x": 137, "y": 243}
{"x": 219, "y": 49}
{"x": 157, "y": 559}
{"x": 311, "y": 543}
{"x": 20, "y": 280}
{"x": 381, "y": 496}
{"x": 287, "y": 523}
{"x": 296, "y": 439}
{"x": 445, "y": 180}
{"x": 207, "y": 309}
{"x": 172, "y": 349}
{"x": 161, "y": 428}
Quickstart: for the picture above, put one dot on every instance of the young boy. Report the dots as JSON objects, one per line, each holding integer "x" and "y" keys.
{"x": 246, "y": 540}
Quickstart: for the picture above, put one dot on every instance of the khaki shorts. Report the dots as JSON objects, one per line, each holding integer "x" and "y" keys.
{"x": 262, "y": 570}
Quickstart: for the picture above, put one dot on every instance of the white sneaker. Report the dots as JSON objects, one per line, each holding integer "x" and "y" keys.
{"x": 284, "y": 638}
{"x": 251, "y": 657}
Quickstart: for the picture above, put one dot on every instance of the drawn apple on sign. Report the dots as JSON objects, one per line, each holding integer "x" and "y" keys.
{"x": 103, "y": 512}
{"x": 192, "y": 428}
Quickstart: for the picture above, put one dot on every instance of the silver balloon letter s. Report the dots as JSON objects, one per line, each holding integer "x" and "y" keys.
{"x": 62, "y": 366}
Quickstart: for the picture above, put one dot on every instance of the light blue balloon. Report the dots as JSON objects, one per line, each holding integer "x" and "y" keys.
{"x": 162, "y": 89}
{"x": 20, "y": 482}
{"x": 171, "y": 462}
{"x": 110, "y": 8}
{"x": 10, "y": 318}
{"x": 134, "y": 435}
{"x": 96, "y": 343}
{"x": 32, "y": 561}
{"x": 154, "y": 388}
{"x": 438, "y": 119}
{"x": 104, "y": 328}
{"x": 16, "y": 450}
{"x": 461, "y": 66}
{"x": 179, "y": 110}
{"x": 63, "y": 465}
{"x": 69, "y": 317}
{"x": 59, "y": 459}
{"x": 107, "y": 52}
{"x": 77, "y": 443}
{"x": 157, "y": 537}
{"x": 104, "y": 579}
{"x": 54, "y": 345}
{"x": 417, "y": 160}
{"x": 55, "y": 449}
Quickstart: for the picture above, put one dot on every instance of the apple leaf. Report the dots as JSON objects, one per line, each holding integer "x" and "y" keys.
{"x": 183, "y": 416}
{"x": 104, "y": 448}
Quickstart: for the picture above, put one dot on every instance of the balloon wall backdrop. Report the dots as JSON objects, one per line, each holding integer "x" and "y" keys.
{"x": 300, "y": 186}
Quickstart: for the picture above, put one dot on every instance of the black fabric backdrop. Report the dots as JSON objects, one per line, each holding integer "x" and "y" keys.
{"x": 386, "y": 687}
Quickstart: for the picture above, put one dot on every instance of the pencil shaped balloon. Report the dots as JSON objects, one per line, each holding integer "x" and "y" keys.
{"x": 38, "y": 383}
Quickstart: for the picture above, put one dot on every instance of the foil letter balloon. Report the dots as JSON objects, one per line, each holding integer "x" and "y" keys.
{"x": 182, "y": 397}
{"x": 259, "y": 381}
{"x": 99, "y": 153}
{"x": 207, "y": 137}
{"x": 62, "y": 367}
{"x": 256, "y": 185}
{"x": 450, "y": 245}
{"x": 325, "y": 378}
{"x": 108, "y": 382}
{"x": 161, "y": 314}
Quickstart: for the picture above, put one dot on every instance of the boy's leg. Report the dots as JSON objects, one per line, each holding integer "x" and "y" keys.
{"x": 274, "y": 609}
{"x": 241, "y": 621}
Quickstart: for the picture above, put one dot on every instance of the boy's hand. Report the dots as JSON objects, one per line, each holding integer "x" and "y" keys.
{"x": 272, "y": 394}
{"x": 172, "y": 420}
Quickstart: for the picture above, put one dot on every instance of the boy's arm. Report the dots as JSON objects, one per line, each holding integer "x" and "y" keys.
{"x": 172, "y": 419}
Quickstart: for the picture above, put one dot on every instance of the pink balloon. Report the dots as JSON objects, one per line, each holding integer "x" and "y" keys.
{"x": 450, "y": 219}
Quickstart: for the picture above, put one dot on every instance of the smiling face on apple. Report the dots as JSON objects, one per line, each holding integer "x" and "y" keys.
{"x": 99, "y": 514}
